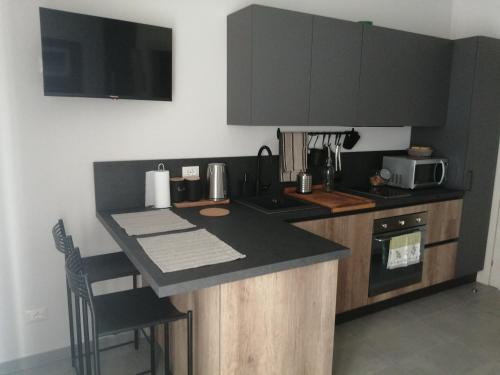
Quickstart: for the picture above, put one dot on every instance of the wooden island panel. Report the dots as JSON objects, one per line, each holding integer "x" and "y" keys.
{"x": 279, "y": 323}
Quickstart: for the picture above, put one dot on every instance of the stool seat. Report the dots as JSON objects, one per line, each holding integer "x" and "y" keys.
{"x": 109, "y": 266}
{"x": 131, "y": 309}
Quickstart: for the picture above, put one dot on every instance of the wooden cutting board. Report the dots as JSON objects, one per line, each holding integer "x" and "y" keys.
{"x": 336, "y": 201}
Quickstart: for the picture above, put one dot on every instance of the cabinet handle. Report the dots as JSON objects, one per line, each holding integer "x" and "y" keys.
{"x": 470, "y": 175}
{"x": 401, "y": 222}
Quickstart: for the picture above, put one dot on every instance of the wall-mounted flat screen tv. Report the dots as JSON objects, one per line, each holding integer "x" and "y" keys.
{"x": 99, "y": 57}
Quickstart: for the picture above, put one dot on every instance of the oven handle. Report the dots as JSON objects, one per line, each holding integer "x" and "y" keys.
{"x": 401, "y": 233}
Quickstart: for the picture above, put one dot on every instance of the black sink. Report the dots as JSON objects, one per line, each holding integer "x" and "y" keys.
{"x": 270, "y": 204}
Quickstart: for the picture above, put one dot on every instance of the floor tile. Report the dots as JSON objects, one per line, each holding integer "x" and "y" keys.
{"x": 489, "y": 368}
{"x": 357, "y": 358}
{"x": 449, "y": 358}
{"x": 405, "y": 340}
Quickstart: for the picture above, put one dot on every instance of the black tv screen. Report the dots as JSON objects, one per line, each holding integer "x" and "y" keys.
{"x": 104, "y": 58}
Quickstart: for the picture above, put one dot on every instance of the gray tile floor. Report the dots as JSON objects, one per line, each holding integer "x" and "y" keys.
{"x": 452, "y": 332}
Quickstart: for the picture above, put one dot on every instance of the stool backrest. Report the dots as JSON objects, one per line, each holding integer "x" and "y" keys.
{"x": 77, "y": 279}
{"x": 59, "y": 234}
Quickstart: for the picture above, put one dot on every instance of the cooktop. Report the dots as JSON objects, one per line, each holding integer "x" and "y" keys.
{"x": 385, "y": 192}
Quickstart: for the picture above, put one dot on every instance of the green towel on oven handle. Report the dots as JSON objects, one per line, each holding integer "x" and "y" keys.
{"x": 404, "y": 250}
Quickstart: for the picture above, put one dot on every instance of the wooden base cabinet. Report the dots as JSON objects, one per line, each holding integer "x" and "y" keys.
{"x": 279, "y": 323}
{"x": 355, "y": 232}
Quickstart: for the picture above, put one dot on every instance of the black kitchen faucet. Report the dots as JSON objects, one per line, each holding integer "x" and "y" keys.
{"x": 259, "y": 186}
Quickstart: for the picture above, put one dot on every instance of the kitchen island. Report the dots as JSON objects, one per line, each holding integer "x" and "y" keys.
{"x": 271, "y": 312}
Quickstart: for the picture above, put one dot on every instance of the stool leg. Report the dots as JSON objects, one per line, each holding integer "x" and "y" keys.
{"x": 136, "y": 331}
{"x": 190, "y": 341}
{"x": 97, "y": 355}
{"x": 86, "y": 338}
{"x": 71, "y": 325}
{"x": 79, "y": 335}
{"x": 166, "y": 345}
{"x": 152, "y": 343}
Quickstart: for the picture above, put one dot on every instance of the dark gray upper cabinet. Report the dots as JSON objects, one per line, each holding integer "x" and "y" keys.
{"x": 335, "y": 57}
{"x": 470, "y": 142}
{"x": 269, "y": 66}
{"x": 404, "y": 78}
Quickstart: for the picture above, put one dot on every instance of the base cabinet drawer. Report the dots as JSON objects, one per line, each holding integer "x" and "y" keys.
{"x": 439, "y": 264}
{"x": 443, "y": 220}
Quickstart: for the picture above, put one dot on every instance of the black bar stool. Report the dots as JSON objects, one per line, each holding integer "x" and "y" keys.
{"x": 119, "y": 312}
{"x": 98, "y": 268}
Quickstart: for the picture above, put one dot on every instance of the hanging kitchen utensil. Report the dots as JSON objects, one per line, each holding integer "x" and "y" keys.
{"x": 316, "y": 154}
{"x": 340, "y": 153}
{"x": 338, "y": 158}
{"x": 351, "y": 138}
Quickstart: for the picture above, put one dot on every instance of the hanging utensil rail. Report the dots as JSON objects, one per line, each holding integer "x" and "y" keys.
{"x": 312, "y": 134}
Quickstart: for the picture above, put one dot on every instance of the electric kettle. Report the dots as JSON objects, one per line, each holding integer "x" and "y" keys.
{"x": 217, "y": 181}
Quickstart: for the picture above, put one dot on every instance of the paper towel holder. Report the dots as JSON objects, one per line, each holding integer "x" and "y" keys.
{"x": 157, "y": 187}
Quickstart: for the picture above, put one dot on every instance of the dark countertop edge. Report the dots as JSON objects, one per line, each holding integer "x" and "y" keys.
{"x": 144, "y": 274}
{"x": 207, "y": 282}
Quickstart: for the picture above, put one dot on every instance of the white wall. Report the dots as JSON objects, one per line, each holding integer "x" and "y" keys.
{"x": 8, "y": 284}
{"x": 480, "y": 17}
{"x": 51, "y": 142}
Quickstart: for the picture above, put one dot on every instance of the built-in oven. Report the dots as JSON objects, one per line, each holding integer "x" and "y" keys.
{"x": 383, "y": 277}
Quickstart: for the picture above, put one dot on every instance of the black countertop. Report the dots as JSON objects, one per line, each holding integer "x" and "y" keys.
{"x": 269, "y": 243}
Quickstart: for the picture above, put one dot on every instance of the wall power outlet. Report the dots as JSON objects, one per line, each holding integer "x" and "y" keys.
{"x": 192, "y": 171}
{"x": 36, "y": 315}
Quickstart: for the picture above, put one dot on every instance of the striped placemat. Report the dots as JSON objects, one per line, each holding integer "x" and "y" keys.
{"x": 180, "y": 251}
{"x": 149, "y": 222}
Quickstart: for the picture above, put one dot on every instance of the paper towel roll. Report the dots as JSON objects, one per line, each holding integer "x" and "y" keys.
{"x": 158, "y": 188}
{"x": 162, "y": 189}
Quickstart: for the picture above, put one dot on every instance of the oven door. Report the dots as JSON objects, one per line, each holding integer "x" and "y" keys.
{"x": 384, "y": 280}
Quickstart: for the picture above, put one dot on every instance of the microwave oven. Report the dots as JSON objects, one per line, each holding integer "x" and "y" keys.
{"x": 413, "y": 173}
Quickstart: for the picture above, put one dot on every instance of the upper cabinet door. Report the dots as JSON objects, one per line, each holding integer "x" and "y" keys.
{"x": 336, "y": 57}
{"x": 404, "y": 78}
{"x": 281, "y": 66}
{"x": 269, "y": 66}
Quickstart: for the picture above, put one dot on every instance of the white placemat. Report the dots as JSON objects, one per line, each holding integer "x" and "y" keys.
{"x": 180, "y": 251}
{"x": 148, "y": 222}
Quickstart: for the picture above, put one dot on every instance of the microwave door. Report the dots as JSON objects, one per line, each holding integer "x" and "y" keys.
{"x": 440, "y": 178}
{"x": 424, "y": 176}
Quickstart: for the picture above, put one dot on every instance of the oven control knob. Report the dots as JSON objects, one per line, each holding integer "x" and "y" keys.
{"x": 401, "y": 222}
{"x": 418, "y": 220}
{"x": 384, "y": 225}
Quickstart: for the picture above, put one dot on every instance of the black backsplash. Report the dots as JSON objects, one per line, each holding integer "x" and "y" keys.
{"x": 120, "y": 184}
